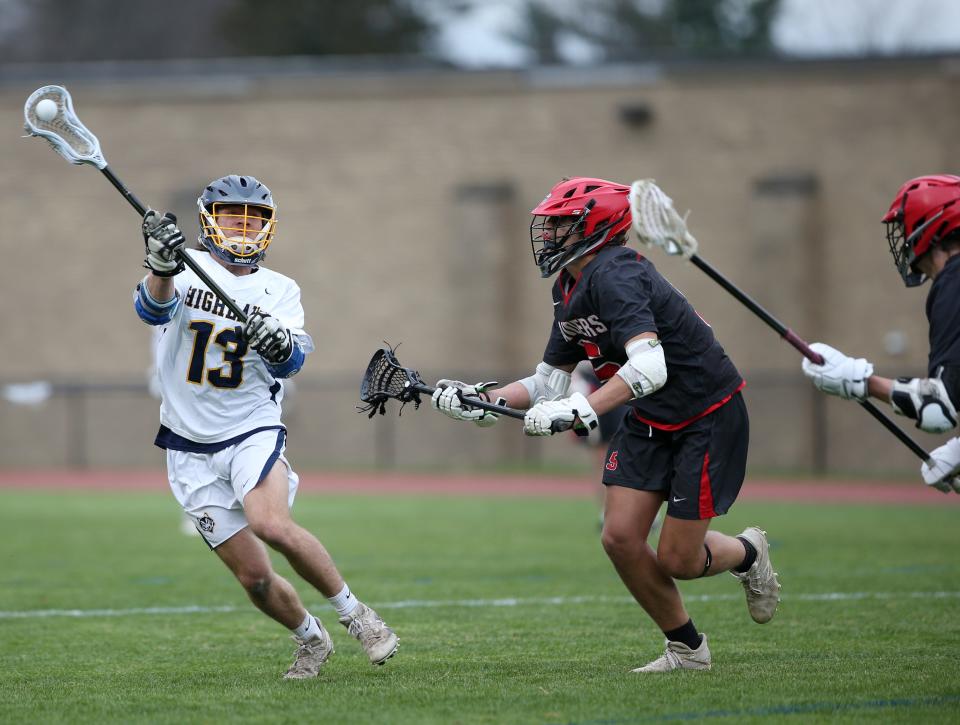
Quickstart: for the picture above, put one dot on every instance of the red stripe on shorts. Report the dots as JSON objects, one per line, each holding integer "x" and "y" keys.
{"x": 706, "y": 495}
{"x": 669, "y": 427}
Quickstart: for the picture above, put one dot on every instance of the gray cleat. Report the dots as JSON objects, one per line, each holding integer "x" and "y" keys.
{"x": 310, "y": 656}
{"x": 680, "y": 657}
{"x": 760, "y": 580}
{"x": 378, "y": 640}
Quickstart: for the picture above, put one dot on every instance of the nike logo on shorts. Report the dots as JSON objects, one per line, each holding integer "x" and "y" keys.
{"x": 678, "y": 500}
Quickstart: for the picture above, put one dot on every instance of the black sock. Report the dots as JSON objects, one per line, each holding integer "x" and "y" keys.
{"x": 749, "y": 558}
{"x": 687, "y": 634}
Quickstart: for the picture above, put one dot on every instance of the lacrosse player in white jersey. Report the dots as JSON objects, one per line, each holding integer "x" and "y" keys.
{"x": 221, "y": 389}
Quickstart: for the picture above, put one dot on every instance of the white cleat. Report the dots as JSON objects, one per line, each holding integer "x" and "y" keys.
{"x": 680, "y": 657}
{"x": 760, "y": 581}
{"x": 378, "y": 640}
{"x": 310, "y": 656}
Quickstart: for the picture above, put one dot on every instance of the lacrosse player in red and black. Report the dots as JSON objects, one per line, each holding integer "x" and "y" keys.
{"x": 684, "y": 438}
{"x": 221, "y": 389}
{"x": 923, "y": 231}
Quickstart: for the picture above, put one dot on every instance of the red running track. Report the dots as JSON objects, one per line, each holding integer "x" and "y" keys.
{"x": 755, "y": 489}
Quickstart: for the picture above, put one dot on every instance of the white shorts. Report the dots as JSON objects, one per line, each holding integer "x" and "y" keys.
{"x": 211, "y": 486}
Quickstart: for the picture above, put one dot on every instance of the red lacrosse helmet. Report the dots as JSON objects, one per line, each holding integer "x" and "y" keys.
{"x": 923, "y": 213}
{"x": 598, "y": 210}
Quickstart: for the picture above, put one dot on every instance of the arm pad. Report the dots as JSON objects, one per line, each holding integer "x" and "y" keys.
{"x": 926, "y": 401}
{"x": 151, "y": 311}
{"x": 291, "y": 366}
{"x": 645, "y": 371}
{"x": 547, "y": 383}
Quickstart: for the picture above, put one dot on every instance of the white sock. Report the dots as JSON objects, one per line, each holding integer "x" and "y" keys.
{"x": 308, "y": 629}
{"x": 344, "y": 602}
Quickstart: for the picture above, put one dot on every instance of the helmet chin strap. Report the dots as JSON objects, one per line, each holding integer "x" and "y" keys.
{"x": 578, "y": 252}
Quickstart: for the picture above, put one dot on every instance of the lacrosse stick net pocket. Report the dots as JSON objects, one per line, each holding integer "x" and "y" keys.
{"x": 384, "y": 379}
{"x": 656, "y": 222}
{"x": 64, "y": 132}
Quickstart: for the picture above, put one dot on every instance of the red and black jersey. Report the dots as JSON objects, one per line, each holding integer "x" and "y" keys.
{"x": 943, "y": 314}
{"x": 620, "y": 295}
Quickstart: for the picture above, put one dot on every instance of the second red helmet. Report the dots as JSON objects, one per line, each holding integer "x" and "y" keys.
{"x": 923, "y": 213}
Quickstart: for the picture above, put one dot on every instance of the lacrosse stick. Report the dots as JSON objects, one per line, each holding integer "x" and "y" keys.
{"x": 67, "y": 135}
{"x": 386, "y": 379}
{"x": 657, "y": 224}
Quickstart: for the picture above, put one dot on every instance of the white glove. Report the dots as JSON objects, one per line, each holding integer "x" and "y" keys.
{"x": 943, "y": 474}
{"x": 268, "y": 336}
{"x": 447, "y": 399}
{"x": 164, "y": 242}
{"x": 552, "y": 416}
{"x": 839, "y": 375}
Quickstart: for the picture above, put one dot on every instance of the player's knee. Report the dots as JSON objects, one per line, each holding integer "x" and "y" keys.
{"x": 679, "y": 564}
{"x": 618, "y": 541}
{"x": 257, "y": 584}
{"x": 275, "y": 533}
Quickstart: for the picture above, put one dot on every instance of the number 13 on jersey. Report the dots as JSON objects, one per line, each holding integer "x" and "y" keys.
{"x": 229, "y": 372}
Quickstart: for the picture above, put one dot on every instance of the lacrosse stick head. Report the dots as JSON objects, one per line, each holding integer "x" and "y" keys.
{"x": 386, "y": 379}
{"x": 655, "y": 221}
{"x": 64, "y": 132}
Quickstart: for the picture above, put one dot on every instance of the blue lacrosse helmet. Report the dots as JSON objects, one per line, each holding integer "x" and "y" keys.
{"x": 238, "y": 218}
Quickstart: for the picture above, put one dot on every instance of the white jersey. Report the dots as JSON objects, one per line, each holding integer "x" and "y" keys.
{"x": 213, "y": 387}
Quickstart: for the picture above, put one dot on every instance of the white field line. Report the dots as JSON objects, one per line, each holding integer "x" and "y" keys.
{"x": 483, "y": 603}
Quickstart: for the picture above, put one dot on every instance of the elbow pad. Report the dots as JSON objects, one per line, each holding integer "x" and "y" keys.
{"x": 547, "y": 383}
{"x": 926, "y": 401}
{"x": 645, "y": 371}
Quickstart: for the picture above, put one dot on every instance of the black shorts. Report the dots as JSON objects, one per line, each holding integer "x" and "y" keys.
{"x": 700, "y": 468}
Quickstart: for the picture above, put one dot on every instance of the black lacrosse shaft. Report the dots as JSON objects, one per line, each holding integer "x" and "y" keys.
{"x": 127, "y": 194}
{"x": 790, "y": 336}
{"x": 477, "y": 403}
{"x": 502, "y": 410}
{"x": 187, "y": 259}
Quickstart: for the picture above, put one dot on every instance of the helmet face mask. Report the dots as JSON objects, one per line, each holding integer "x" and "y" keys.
{"x": 238, "y": 219}
{"x": 903, "y": 256}
{"x": 578, "y": 217}
{"x": 557, "y": 241}
{"x": 923, "y": 214}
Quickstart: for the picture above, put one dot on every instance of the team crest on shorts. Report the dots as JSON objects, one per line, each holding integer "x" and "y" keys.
{"x": 612, "y": 462}
{"x": 206, "y": 523}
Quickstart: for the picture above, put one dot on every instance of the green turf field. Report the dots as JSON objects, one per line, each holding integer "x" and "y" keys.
{"x": 507, "y": 609}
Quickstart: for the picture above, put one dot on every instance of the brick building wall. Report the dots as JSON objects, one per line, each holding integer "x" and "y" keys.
{"x": 404, "y": 199}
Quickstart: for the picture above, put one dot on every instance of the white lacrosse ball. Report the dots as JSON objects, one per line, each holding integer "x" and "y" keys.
{"x": 46, "y": 110}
